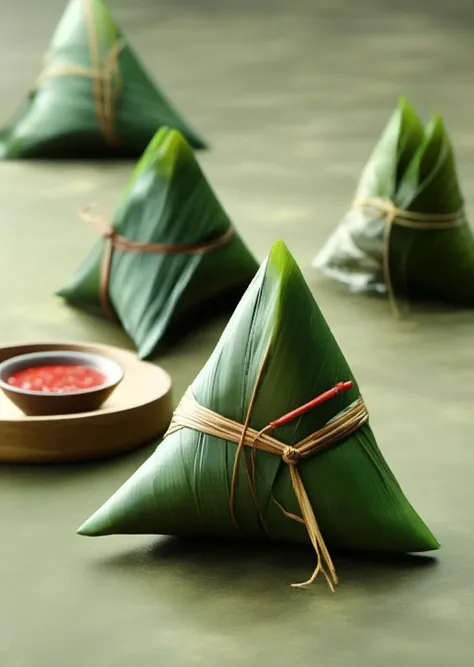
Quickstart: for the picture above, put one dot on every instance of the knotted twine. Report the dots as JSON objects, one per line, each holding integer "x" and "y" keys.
{"x": 409, "y": 220}
{"x": 116, "y": 242}
{"x": 189, "y": 414}
{"x": 106, "y": 77}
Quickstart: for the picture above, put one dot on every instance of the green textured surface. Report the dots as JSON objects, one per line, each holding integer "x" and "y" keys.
{"x": 412, "y": 165}
{"x": 183, "y": 489}
{"x": 437, "y": 265}
{"x": 59, "y": 117}
{"x": 292, "y": 119}
{"x": 153, "y": 296}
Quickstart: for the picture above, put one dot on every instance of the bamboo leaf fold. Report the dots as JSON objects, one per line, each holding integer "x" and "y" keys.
{"x": 413, "y": 169}
{"x": 154, "y": 295}
{"x": 184, "y": 487}
{"x": 93, "y": 97}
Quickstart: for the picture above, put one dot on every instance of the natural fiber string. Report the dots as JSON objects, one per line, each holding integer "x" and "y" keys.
{"x": 189, "y": 414}
{"x": 117, "y": 242}
{"x": 106, "y": 78}
{"x": 409, "y": 220}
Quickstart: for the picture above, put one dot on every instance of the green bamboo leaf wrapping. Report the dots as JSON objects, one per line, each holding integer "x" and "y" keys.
{"x": 353, "y": 253}
{"x": 415, "y": 169}
{"x": 60, "y": 117}
{"x": 184, "y": 487}
{"x": 392, "y": 154}
{"x": 168, "y": 201}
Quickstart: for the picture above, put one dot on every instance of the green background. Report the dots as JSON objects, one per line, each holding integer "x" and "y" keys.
{"x": 292, "y": 104}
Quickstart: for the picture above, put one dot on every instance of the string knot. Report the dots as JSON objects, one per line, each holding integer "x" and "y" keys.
{"x": 291, "y": 456}
{"x": 109, "y": 233}
{"x": 383, "y": 205}
{"x": 388, "y": 208}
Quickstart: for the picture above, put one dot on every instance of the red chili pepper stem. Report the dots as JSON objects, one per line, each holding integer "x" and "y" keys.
{"x": 286, "y": 419}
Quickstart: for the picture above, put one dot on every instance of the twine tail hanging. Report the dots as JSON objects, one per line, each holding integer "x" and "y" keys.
{"x": 108, "y": 233}
{"x": 189, "y": 414}
{"x": 410, "y": 220}
{"x": 117, "y": 242}
{"x": 324, "y": 562}
{"x": 291, "y": 456}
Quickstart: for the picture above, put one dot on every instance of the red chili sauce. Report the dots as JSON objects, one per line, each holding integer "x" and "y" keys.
{"x": 57, "y": 379}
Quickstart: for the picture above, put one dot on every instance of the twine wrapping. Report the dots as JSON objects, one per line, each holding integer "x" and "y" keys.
{"x": 409, "y": 220}
{"x": 189, "y": 414}
{"x": 106, "y": 78}
{"x": 117, "y": 242}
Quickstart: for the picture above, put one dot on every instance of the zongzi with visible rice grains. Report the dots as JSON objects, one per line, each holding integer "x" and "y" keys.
{"x": 229, "y": 466}
{"x": 406, "y": 233}
{"x": 93, "y": 97}
{"x": 170, "y": 252}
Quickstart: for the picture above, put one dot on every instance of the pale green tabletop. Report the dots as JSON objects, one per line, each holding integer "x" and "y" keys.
{"x": 291, "y": 96}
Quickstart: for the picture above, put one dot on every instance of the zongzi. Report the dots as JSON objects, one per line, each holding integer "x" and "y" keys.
{"x": 169, "y": 252}
{"x": 93, "y": 97}
{"x": 230, "y": 466}
{"x": 406, "y": 233}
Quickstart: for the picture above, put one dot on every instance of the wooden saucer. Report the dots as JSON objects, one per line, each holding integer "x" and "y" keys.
{"x": 138, "y": 411}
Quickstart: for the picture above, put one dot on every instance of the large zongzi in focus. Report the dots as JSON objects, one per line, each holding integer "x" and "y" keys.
{"x": 170, "y": 252}
{"x": 406, "y": 233}
{"x": 230, "y": 466}
{"x": 93, "y": 97}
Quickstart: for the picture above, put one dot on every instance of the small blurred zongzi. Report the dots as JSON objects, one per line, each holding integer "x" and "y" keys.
{"x": 93, "y": 98}
{"x": 406, "y": 233}
{"x": 169, "y": 253}
{"x": 319, "y": 478}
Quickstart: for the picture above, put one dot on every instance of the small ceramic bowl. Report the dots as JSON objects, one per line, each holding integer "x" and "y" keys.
{"x": 60, "y": 403}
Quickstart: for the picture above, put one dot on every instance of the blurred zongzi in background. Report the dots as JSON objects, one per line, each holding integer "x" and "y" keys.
{"x": 170, "y": 251}
{"x": 93, "y": 98}
{"x": 229, "y": 466}
{"x": 406, "y": 233}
